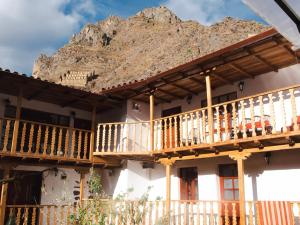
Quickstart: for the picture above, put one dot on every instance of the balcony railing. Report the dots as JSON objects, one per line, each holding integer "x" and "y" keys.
{"x": 263, "y": 116}
{"x": 43, "y": 141}
{"x": 154, "y": 212}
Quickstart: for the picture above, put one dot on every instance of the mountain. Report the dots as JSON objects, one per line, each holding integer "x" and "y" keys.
{"x": 116, "y": 50}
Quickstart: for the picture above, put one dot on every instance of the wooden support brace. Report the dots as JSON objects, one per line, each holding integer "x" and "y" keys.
{"x": 17, "y": 122}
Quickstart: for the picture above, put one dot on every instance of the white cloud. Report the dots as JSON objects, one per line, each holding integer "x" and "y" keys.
{"x": 30, "y": 27}
{"x": 208, "y": 12}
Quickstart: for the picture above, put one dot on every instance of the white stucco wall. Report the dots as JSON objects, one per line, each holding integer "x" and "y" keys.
{"x": 276, "y": 181}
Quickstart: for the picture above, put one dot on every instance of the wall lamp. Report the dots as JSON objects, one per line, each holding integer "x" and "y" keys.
{"x": 241, "y": 85}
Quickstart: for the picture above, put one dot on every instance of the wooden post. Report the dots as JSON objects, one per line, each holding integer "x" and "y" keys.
{"x": 17, "y": 122}
{"x": 92, "y": 137}
{"x": 81, "y": 194}
{"x": 209, "y": 109}
{"x": 168, "y": 163}
{"x": 240, "y": 157}
{"x": 3, "y": 196}
{"x": 152, "y": 122}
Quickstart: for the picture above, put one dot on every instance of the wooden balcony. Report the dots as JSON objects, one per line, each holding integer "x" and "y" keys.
{"x": 256, "y": 122}
{"x": 154, "y": 212}
{"x": 31, "y": 140}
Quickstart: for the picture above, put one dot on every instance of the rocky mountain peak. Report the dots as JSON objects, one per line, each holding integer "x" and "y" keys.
{"x": 120, "y": 50}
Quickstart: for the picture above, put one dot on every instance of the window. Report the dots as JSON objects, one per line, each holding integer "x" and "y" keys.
{"x": 220, "y": 99}
{"x": 229, "y": 184}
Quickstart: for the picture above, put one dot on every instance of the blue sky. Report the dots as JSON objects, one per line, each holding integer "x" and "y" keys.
{"x": 31, "y": 27}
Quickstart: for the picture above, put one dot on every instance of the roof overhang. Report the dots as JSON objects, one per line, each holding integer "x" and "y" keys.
{"x": 284, "y": 15}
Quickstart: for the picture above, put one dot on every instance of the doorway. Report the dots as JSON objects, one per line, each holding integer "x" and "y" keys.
{"x": 188, "y": 183}
{"x": 24, "y": 190}
{"x": 168, "y": 138}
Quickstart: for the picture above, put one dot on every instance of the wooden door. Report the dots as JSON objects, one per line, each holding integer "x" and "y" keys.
{"x": 189, "y": 183}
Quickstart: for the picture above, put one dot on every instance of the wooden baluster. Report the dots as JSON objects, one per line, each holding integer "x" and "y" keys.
{"x": 103, "y": 137}
{"x": 140, "y": 144}
{"x": 67, "y": 143}
{"x": 181, "y": 130}
{"x": 23, "y": 136}
{"x": 46, "y": 141}
{"x": 156, "y": 211}
{"x": 148, "y": 138}
{"x": 109, "y": 138}
{"x": 155, "y": 135}
{"x": 18, "y": 219}
{"x": 198, "y": 213}
{"x": 192, "y": 128}
{"x": 226, "y": 214}
{"x": 176, "y": 131}
{"x": 98, "y": 138}
{"x": 243, "y": 118}
{"x": 59, "y": 145}
{"x": 25, "y": 221}
{"x": 48, "y": 215}
{"x": 234, "y": 121}
{"x": 226, "y": 115}
{"x": 54, "y": 215}
{"x": 294, "y": 109}
{"x": 203, "y": 127}
{"x": 79, "y": 145}
{"x": 31, "y": 133}
{"x": 211, "y": 220}
{"x": 85, "y": 145}
{"x": 185, "y": 216}
{"x": 115, "y": 137}
{"x": 33, "y": 216}
{"x": 1, "y": 128}
{"x": 6, "y": 135}
{"x": 220, "y": 216}
{"x": 73, "y": 142}
{"x": 134, "y": 136}
{"x": 250, "y": 214}
{"x": 38, "y": 140}
{"x": 165, "y": 134}
{"x": 179, "y": 212}
{"x": 191, "y": 213}
{"x": 273, "y": 123}
{"x": 121, "y": 137}
{"x": 262, "y": 118}
{"x": 298, "y": 213}
{"x": 150, "y": 213}
{"x": 283, "y": 113}
{"x": 198, "y": 127}
{"x": 204, "y": 214}
{"x": 252, "y": 113}
{"x": 234, "y": 219}
{"x": 186, "y": 117}
{"x": 68, "y": 215}
{"x": 127, "y": 137}
{"x": 170, "y": 132}
{"x": 53, "y": 137}
{"x": 62, "y": 215}
{"x": 219, "y": 135}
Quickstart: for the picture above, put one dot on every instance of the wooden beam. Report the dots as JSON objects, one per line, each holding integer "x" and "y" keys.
{"x": 3, "y": 197}
{"x": 197, "y": 81}
{"x": 226, "y": 81}
{"x": 74, "y": 100}
{"x": 261, "y": 60}
{"x": 38, "y": 92}
{"x": 239, "y": 69}
{"x": 209, "y": 109}
{"x": 240, "y": 157}
{"x": 157, "y": 97}
{"x": 170, "y": 93}
{"x": 184, "y": 89}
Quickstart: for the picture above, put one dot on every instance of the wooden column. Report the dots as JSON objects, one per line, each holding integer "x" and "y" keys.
{"x": 82, "y": 172}
{"x": 93, "y": 127}
{"x": 17, "y": 122}
{"x": 3, "y": 196}
{"x": 168, "y": 163}
{"x": 209, "y": 109}
{"x": 152, "y": 121}
{"x": 240, "y": 157}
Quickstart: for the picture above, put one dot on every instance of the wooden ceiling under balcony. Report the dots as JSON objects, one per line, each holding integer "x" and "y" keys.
{"x": 263, "y": 53}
